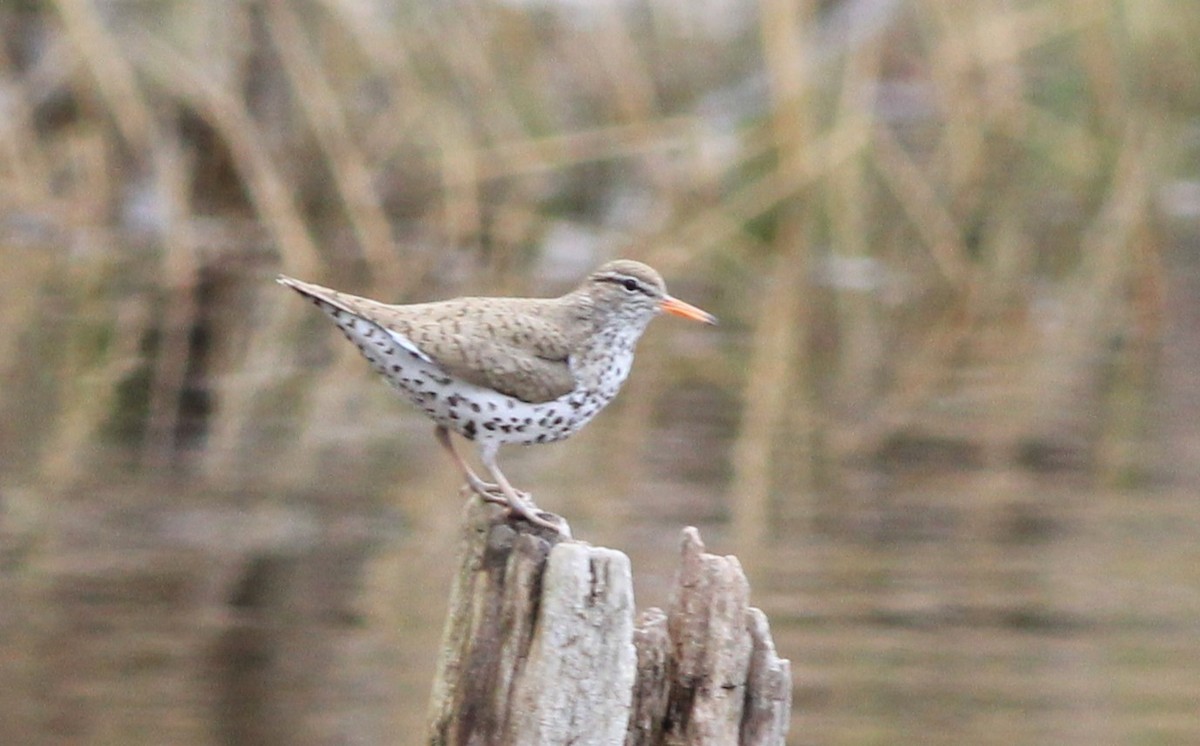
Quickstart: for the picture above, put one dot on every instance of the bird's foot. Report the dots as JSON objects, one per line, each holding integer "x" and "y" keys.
{"x": 494, "y": 497}
{"x": 520, "y": 504}
{"x": 524, "y": 508}
{"x": 489, "y": 491}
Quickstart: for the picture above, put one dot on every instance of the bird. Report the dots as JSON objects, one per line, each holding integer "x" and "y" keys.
{"x": 507, "y": 370}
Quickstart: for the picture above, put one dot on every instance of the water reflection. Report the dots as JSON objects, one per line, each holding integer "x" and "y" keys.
{"x": 278, "y": 574}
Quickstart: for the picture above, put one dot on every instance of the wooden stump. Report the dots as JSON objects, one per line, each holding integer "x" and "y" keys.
{"x": 540, "y": 647}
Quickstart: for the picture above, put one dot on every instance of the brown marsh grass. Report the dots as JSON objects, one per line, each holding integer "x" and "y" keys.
{"x": 913, "y": 216}
{"x": 933, "y": 230}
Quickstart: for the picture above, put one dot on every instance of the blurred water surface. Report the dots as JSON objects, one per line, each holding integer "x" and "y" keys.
{"x": 281, "y": 576}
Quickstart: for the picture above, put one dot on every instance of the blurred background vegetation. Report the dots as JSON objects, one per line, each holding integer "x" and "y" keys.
{"x": 950, "y": 420}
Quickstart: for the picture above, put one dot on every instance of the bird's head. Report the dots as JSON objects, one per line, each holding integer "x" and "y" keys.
{"x": 634, "y": 293}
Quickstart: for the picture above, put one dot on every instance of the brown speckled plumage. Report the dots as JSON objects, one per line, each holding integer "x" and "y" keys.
{"x": 508, "y": 370}
{"x": 525, "y": 356}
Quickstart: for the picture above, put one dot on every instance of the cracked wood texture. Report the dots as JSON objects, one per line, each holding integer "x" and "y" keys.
{"x": 540, "y": 648}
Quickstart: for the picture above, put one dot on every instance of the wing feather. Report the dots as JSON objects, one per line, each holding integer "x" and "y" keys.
{"x": 513, "y": 345}
{"x": 525, "y": 356}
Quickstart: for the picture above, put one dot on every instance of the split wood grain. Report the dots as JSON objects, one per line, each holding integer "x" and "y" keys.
{"x": 540, "y": 648}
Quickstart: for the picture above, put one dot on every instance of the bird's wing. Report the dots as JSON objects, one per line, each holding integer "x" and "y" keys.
{"x": 333, "y": 301}
{"x": 510, "y": 345}
{"x": 514, "y": 346}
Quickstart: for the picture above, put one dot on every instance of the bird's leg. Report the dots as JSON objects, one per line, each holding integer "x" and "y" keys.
{"x": 519, "y": 503}
{"x": 487, "y": 490}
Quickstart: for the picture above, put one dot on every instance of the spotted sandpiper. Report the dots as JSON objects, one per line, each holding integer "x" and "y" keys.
{"x": 508, "y": 370}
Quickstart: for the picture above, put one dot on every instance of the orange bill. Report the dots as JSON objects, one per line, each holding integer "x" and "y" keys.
{"x": 676, "y": 307}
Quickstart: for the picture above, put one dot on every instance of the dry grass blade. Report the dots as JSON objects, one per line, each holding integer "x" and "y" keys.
{"x": 178, "y": 316}
{"x": 110, "y": 70}
{"x": 387, "y": 49}
{"x": 92, "y": 380}
{"x": 1103, "y": 275}
{"x": 633, "y": 91}
{"x": 227, "y": 115}
{"x": 561, "y": 151}
{"x": 327, "y": 122}
{"x": 462, "y": 213}
{"x": 782, "y": 327}
{"x": 932, "y": 220}
{"x": 26, "y": 179}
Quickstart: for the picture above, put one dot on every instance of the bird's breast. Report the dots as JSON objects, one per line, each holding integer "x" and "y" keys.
{"x": 601, "y": 371}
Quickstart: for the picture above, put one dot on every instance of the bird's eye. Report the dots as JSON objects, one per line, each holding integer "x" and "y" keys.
{"x": 630, "y": 285}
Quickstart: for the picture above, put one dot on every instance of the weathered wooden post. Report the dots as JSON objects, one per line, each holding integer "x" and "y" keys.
{"x": 540, "y": 648}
